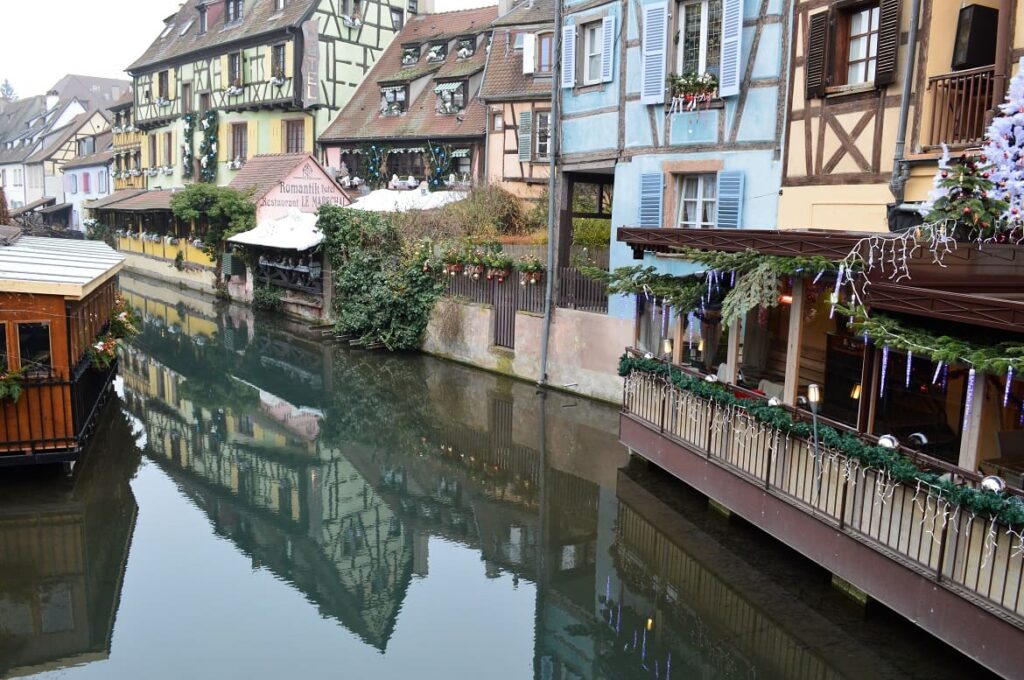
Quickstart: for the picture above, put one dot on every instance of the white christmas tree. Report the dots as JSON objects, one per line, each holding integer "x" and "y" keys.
{"x": 1004, "y": 151}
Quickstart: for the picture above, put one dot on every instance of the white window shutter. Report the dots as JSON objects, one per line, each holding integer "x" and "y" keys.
{"x": 652, "y": 194}
{"x": 568, "y": 56}
{"x": 729, "y": 205}
{"x": 652, "y": 91}
{"x": 732, "y": 34}
{"x": 529, "y": 52}
{"x": 607, "y": 49}
{"x": 525, "y": 136}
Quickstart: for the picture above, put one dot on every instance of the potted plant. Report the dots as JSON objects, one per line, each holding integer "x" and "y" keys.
{"x": 498, "y": 266}
{"x": 690, "y": 89}
{"x": 531, "y": 270}
{"x": 453, "y": 261}
{"x": 475, "y": 265}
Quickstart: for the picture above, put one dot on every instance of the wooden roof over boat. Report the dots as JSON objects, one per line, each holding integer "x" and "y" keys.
{"x": 70, "y": 268}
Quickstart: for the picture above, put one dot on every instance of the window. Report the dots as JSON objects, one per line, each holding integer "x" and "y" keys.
{"x": 163, "y": 89}
{"x": 86, "y": 146}
{"x": 295, "y": 136}
{"x": 277, "y": 61}
{"x": 545, "y": 52}
{"x": 451, "y": 97}
{"x": 406, "y": 164}
{"x": 232, "y": 11}
{"x": 518, "y": 41}
{"x": 85, "y": 183}
{"x": 278, "y": 5}
{"x": 239, "y": 141}
{"x": 859, "y": 52}
{"x": 353, "y": 163}
{"x": 34, "y": 348}
{"x": 393, "y": 100}
{"x": 235, "y": 69}
{"x": 397, "y": 19}
{"x": 168, "y": 148}
{"x": 101, "y": 180}
{"x": 592, "y": 53}
{"x": 463, "y": 166}
{"x": 543, "y": 128}
{"x": 202, "y": 20}
{"x": 4, "y": 363}
{"x": 204, "y": 102}
{"x": 152, "y": 151}
{"x": 498, "y": 123}
{"x": 186, "y": 97}
{"x": 699, "y": 37}
{"x": 696, "y": 201}
{"x": 72, "y": 184}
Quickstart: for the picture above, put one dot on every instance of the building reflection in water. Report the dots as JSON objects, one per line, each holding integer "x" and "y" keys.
{"x": 334, "y": 470}
{"x": 63, "y": 549}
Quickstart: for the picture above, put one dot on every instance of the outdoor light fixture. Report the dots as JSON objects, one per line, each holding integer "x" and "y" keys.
{"x": 786, "y": 299}
{"x": 993, "y": 483}
{"x": 774, "y": 401}
{"x": 667, "y": 346}
{"x": 814, "y": 396}
{"x": 855, "y": 392}
{"x": 700, "y": 346}
{"x": 650, "y": 623}
{"x": 888, "y": 441}
{"x": 814, "y": 399}
{"x": 918, "y": 440}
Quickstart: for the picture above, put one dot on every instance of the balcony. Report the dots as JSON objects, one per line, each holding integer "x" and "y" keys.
{"x": 958, "y": 575}
{"x": 960, "y": 104}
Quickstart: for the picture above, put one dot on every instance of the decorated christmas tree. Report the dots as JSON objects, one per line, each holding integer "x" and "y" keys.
{"x": 1003, "y": 149}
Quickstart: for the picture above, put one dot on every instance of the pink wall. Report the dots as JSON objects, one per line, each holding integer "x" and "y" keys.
{"x": 307, "y": 187}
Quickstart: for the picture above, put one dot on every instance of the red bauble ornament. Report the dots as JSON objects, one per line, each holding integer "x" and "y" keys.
{"x": 945, "y": 174}
{"x": 967, "y": 211}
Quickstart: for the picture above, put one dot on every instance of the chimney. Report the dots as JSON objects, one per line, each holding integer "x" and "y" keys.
{"x": 52, "y": 98}
{"x": 505, "y": 6}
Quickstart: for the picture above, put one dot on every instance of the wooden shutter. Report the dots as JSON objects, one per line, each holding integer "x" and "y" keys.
{"x": 529, "y": 52}
{"x": 817, "y": 59}
{"x": 652, "y": 195}
{"x": 172, "y": 83}
{"x": 729, "y": 204}
{"x": 85, "y": 183}
{"x": 568, "y": 56}
{"x": 268, "y": 63}
{"x": 607, "y": 49}
{"x": 224, "y": 72}
{"x": 525, "y": 136}
{"x": 276, "y": 135}
{"x": 253, "y": 143}
{"x": 222, "y": 143}
{"x": 307, "y": 130}
{"x": 731, "y": 51}
{"x": 652, "y": 89}
{"x": 289, "y": 59}
{"x": 888, "y": 42}
{"x": 144, "y": 153}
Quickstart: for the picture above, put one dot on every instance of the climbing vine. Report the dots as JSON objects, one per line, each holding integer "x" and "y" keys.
{"x": 898, "y": 466}
{"x": 384, "y": 293}
{"x": 208, "y": 147}
{"x": 187, "y": 152}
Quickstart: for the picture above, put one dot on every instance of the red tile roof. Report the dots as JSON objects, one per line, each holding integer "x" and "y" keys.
{"x": 158, "y": 199}
{"x": 263, "y": 173}
{"x": 505, "y": 79}
{"x": 361, "y": 118}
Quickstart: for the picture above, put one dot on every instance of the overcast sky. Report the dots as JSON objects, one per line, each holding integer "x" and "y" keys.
{"x": 47, "y": 39}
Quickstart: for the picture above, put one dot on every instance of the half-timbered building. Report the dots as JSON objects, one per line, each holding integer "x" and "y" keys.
{"x": 87, "y": 176}
{"x": 227, "y": 80}
{"x": 418, "y": 113}
{"x": 126, "y": 168}
{"x": 517, "y": 91}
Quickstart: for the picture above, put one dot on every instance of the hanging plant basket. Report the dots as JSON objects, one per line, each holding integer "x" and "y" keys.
{"x": 531, "y": 278}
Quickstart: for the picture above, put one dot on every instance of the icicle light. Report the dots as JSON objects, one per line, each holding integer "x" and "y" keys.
{"x": 938, "y": 370}
{"x": 885, "y": 370}
{"x": 1009, "y": 385}
{"x": 971, "y": 375}
{"x": 910, "y": 364}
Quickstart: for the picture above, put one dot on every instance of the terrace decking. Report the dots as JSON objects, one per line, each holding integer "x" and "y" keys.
{"x": 957, "y": 575}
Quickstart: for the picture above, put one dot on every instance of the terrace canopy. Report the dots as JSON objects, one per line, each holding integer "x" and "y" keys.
{"x": 295, "y": 231}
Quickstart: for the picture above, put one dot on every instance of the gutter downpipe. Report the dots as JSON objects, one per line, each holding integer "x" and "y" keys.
{"x": 900, "y": 167}
{"x": 554, "y": 140}
{"x": 1002, "y": 50}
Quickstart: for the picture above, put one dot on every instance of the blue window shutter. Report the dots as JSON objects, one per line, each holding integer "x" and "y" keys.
{"x": 607, "y": 49}
{"x": 729, "y": 206}
{"x": 652, "y": 194}
{"x": 732, "y": 33}
{"x": 655, "y": 44}
{"x": 568, "y": 65}
{"x": 525, "y": 136}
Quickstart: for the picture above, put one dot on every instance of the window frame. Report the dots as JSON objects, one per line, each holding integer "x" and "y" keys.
{"x": 232, "y": 12}
{"x": 234, "y": 69}
{"x": 538, "y": 136}
{"x": 542, "y": 37}
{"x": 204, "y": 20}
{"x": 498, "y": 121}
{"x": 288, "y": 136}
{"x": 679, "y": 182}
{"x": 588, "y": 53}
{"x": 35, "y": 373}
{"x": 244, "y": 127}
{"x": 277, "y": 60}
{"x": 839, "y": 55}
{"x": 186, "y": 97}
{"x": 705, "y": 29}
{"x": 163, "y": 84}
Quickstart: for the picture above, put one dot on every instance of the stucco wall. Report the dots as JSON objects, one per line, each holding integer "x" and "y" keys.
{"x": 859, "y": 207}
{"x": 196, "y": 279}
{"x": 583, "y": 353}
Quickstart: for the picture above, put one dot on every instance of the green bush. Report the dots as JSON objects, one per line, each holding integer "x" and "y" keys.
{"x": 486, "y": 212}
{"x": 591, "y": 232}
{"x": 267, "y": 298}
{"x": 224, "y": 211}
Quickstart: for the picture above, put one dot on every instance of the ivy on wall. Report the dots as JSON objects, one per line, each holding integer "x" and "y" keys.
{"x": 187, "y": 149}
{"x": 208, "y": 147}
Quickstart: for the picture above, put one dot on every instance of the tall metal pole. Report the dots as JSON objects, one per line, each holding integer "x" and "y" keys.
{"x": 554, "y": 128}
{"x": 900, "y": 170}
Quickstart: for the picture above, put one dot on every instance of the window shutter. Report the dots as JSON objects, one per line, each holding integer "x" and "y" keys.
{"x": 729, "y": 205}
{"x": 85, "y": 182}
{"x": 308, "y": 141}
{"x": 529, "y": 52}
{"x": 525, "y": 136}
{"x": 276, "y": 135}
{"x": 222, "y": 142}
{"x": 289, "y": 59}
{"x": 568, "y": 56}
{"x": 652, "y": 194}
{"x": 888, "y": 42}
{"x": 227, "y": 265}
{"x": 652, "y": 91}
{"x": 253, "y": 143}
{"x": 607, "y": 49}
{"x": 817, "y": 43}
{"x": 172, "y": 84}
{"x": 224, "y": 72}
{"x": 732, "y": 34}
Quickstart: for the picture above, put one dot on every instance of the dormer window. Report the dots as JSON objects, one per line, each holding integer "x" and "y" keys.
{"x": 394, "y": 100}
{"x": 437, "y": 52}
{"x": 232, "y": 11}
{"x": 167, "y": 31}
{"x": 451, "y": 97}
{"x": 410, "y": 55}
{"x": 278, "y": 5}
{"x": 203, "y": 20}
{"x": 467, "y": 46}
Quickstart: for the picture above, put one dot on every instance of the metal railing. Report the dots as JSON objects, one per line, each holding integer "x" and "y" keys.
{"x": 915, "y": 525}
{"x": 575, "y": 291}
{"x": 960, "y": 105}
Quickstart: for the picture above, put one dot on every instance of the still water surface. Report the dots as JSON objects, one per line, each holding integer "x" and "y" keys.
{"x": 259, "y": 505}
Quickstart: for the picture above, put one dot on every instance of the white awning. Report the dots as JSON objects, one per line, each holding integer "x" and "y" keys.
{"x": 460, "y": 153}
{"x": 448, "y": 87}
{"x": 295, "y": 231}
{"x": 387, "y": 200}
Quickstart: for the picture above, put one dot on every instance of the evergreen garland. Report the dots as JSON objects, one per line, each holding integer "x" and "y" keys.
{"x": 440, "y": 166}
{"x": 994, "y": 359}
{"x": 208, "y": 147}
{"x": 985, "y": 503}
{"x": 681, "y": 292}
{"x": 187, "y": 153}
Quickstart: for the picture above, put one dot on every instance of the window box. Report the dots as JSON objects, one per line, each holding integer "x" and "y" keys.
{"x": 689, "y": 90}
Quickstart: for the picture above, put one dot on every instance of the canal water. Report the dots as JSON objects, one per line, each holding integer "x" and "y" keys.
{"x": 259, "y": 504}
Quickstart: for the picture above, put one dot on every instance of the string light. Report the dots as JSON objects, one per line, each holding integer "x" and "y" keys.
{"x": 971, "y": 375}
{"x": 910, "y": 363}
{"x": 1009, "y": 384}
{"x": 885, "y": 370}
{"x": 938, "y": 370}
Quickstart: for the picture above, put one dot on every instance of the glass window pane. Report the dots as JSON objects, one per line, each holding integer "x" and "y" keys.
{"x": 690, "y": 213}
{"x": 859, "y": 23}
{"x": 874, "y": 19}
{"x": 873, "y": 45}
{"x": 709, "y": 213}
{"x": 34, "y": 347}
{"x": 594, "y": 68}
{"x": 858, "y": 48}
{"x": 690, "y": 187}
{"x": 714, "y": 47}
{"x": 708, "y": 183}
{"x": 871, "y": 71}
{"x": 691, "y": 38}
{"x": 855, "y": 73}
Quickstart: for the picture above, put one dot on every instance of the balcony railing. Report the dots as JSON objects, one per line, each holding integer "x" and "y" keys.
{"x": 575, "y": 291}
{"x": 960, "y": 105}
{"x": 914, "y": 525}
